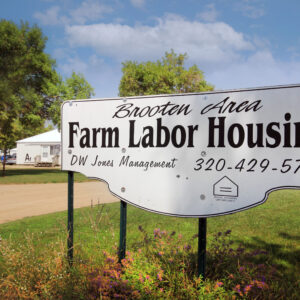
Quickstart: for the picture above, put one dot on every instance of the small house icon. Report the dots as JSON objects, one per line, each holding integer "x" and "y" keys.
{"x": 226, "y": 187}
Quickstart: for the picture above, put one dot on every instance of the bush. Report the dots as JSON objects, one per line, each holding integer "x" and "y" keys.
{"x": 162, "y": 266}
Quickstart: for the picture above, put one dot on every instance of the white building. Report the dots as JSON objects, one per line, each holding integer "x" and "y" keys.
{"x": 43, "y": 147}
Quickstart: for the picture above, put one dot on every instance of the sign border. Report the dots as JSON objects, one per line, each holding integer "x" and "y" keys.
{"x": 267, "y": 193}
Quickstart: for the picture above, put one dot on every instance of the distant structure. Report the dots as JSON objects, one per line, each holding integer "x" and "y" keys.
{"x": 41, "y": 150}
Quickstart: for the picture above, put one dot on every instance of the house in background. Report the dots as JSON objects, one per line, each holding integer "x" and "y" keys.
{"x": 41, "y": 148}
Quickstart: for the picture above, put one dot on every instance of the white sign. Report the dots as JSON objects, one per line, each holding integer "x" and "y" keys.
{"x": 191, "y": 155}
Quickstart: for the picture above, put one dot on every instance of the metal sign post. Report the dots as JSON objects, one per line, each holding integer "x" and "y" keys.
{"x": 70, "y": 215}
{"x": 123, "y": 224}
{"x": 202, "y": 247}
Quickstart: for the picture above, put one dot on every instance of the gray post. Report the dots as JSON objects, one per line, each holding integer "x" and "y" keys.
{"x": 202, "y": 247}
{"x": 70, "y": 215}
{"x": 123, "y": 223}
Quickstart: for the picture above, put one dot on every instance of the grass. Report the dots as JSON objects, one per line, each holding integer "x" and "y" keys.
{"x": 37, "y": 175}
{"x": 273, "y": 227}
{"x": 277, "y": 222}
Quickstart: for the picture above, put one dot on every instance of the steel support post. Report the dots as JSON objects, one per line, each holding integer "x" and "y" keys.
{"x": 70, "y": 215}
{"x": 123, "y": 224}
{"x": 202, "y": 247}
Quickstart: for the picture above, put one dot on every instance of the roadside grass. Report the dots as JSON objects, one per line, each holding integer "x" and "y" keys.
{"x": 269, "y": 235}
{"x": 38, "y": 175}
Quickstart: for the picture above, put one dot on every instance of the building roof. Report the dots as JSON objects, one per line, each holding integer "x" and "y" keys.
{"x": 53, "y": 136}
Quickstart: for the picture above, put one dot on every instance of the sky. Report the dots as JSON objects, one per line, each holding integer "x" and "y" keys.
{"x": 236, "y": 43}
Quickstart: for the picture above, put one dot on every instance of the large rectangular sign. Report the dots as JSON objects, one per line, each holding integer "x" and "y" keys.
{"x": 192, "y": 155}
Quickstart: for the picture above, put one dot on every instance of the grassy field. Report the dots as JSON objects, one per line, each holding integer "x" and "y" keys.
{"x": 272, "y": 229}
{"x": 274, "y": 226}
{"x": 19, "y": 175}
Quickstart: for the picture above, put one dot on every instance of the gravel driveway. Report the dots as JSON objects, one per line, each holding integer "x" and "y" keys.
{"x": 25, "y": 200}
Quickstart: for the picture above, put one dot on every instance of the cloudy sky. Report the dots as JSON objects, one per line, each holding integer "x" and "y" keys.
{"x": 237, "y": 43}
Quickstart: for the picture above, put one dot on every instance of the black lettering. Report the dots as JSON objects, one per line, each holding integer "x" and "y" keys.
{"x": 173, "y": 110}
{"x": 181, "y": 136}
{"x": 131, "y": 135}
{"x": 192, "y": 130}
{"x": 165, "y": 130}
{"x": 147, "y": 140}
{"x": 74, "y": 160}
{"x": 164, "y": 111}
{"x": 123, "y": 110}
{"x": 124, "y": 160}
{"x": 107, "y": 136}
{"x": 154, "y": 110}
{"x": 220, "y": 129}
{"x": 82, "y": 160}
{"x": 241, "y": 106}
{"x": 287, "y": 131}
{"x": 240, "y": 135}
{"x": 274, "y": 134}
{"x": 144, "y": 111}
{"x": 230, "y": 107}
{"x": 254, "y": 106}
{"x": 259, "y": 135}
{"x": 95, "y": 161}
{"x": 184, "y": 108}
{"x": 85, "y": 139}
{"x": 95, "y": 131}
{"x": 219, "y": 106}
{"x": 206, "y": 109}
{"x": 72, "y": 131}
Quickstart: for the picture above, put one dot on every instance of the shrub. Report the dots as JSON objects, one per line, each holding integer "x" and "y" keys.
{"x": 27, "y": 274}
{"x": 162, "y": 266}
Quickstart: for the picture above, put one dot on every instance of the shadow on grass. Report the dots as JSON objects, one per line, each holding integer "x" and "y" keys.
{"x": 276, "y": 252}
{"x": 287, "y": 259}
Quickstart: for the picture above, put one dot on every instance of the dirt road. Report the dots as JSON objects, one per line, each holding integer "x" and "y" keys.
{"x": 25, "y": 200}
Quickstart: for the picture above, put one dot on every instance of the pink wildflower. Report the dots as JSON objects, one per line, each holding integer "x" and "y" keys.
{"x": 247, "y": 288}
{"x": 160, "y": 275}
{"x": 218, "y": 284}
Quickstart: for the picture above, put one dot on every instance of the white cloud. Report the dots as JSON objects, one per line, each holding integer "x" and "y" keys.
{"x": 207, "y": 44}
{"x": 89, "y": 10}
{"x": 74, "y": 64}
{"x": 60, "y": 53}
{"x": 251, "y": 8}
{"x": 209, "y": 14}
{"x": 103, "y": 77}
{"x": 259, "y": 69}
{"x": 51, "y": 17}
{"x": 138, "y": 3}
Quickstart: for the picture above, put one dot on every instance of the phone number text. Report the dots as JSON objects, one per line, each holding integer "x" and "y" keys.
{"x": 248, "y": 165}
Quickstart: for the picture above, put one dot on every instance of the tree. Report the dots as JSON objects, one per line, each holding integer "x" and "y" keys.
{"x": 166, "y": 76}
{"x": 25, "y": 72}
{"x": 74, "y": 87}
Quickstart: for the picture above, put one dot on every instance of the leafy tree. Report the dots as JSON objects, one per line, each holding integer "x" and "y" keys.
{"x": 165, "y": 76}
{"x": 74, "y": 87}
{"x": 25, "y": 71}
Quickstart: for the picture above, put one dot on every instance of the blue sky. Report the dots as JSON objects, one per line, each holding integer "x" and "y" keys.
{"x": 237, "y": 43}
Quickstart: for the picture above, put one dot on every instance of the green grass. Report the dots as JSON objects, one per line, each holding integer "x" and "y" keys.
{"x": 38, "y": 175}
{"x": 273, "y": 226}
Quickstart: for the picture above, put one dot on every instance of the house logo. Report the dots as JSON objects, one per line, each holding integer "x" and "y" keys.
{"x": 225, "y": 187}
